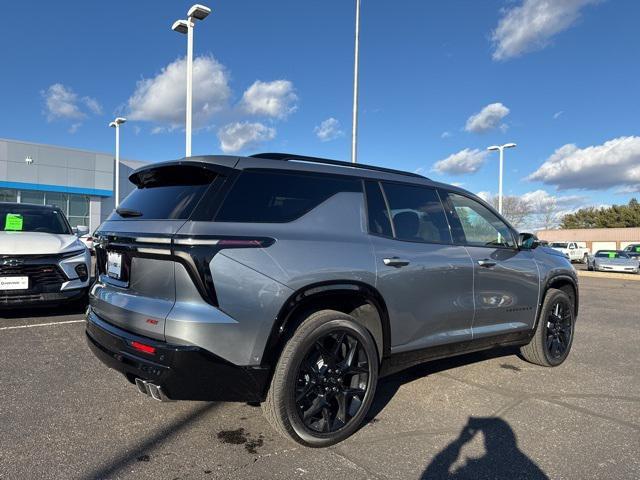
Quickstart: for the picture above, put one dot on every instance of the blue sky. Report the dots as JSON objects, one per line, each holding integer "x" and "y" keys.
{"x": 559, "y": 77}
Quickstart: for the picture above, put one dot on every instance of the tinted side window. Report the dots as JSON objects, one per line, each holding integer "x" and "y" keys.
{"x": 417, "y": 213}
{"x": 379, "y": 222}
{"x": 277, "y": 197}
{"x": 481, "y": 226}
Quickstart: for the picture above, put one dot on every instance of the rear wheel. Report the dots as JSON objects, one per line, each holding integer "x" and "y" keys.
{"x": 585, "y": 258}
{"x": 325, "y": 380}
{"x": 553, "y": 338}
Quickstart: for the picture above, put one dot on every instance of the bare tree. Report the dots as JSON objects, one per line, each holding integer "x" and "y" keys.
{"x": 547, "y": 212}
{"x": 514, "y": 209}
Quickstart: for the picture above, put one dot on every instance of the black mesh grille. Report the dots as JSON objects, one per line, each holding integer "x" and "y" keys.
{"x": 39, "y": 275}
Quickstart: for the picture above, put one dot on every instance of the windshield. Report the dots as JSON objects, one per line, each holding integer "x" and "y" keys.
{"x": 559, "y": 245}
{"x": 19, "y": 218}
{"x": 611, "y": 254}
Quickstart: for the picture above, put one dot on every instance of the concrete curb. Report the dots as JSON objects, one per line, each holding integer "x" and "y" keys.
{"x": 617, "y": 276}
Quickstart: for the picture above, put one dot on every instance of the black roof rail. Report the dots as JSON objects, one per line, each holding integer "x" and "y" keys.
{"x": 327, "y": 161}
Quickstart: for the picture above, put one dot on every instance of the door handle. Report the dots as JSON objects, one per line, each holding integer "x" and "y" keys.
{"x": 487, "y": 263}
{"x": 395, "y": 262}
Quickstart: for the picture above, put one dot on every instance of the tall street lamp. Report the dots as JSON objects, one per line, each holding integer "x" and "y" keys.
{"x": 197, "y": 12}
{"x": 501, "y": 148}
{"x": 116, "y": 124}
{"x": 354, "y": 121}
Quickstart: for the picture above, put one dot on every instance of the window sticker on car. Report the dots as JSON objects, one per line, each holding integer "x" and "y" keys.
{"x": 13, "y": 221}
{"x": 638, "y": 249}
{"x": 612, "y": 254}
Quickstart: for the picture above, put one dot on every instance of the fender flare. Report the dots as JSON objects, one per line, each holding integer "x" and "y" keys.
{"x": 291, "y": 308}
{"x": 547, "y": 285}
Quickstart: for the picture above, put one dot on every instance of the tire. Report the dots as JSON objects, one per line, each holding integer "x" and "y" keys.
{"x": 589, "y": 267}
{"x": 307, "y": 364}
{"x": 585, "y": 258}
{"x": 552, "y": 340}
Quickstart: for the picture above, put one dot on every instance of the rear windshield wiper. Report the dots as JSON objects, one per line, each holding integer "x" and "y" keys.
{"x": 127, "y": 212}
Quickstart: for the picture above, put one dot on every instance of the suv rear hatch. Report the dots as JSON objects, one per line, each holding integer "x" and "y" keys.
{"x": 135, "y": 288}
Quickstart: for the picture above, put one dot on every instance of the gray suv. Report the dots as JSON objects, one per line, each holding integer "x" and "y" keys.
{"x": 297, "y": 282}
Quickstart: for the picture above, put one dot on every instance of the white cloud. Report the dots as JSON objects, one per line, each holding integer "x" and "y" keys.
{"x": 93, "y": 105}
{"x": 161, "y": 99}
{"x": 241, "y": 135}
{"x": 487, "y": 119}
{"x": 557, "y": 114}
{"x": 484, "y": 195}
{"x": 328, "y": 129}
{"x": 465, "y": 161}
{"x": 532, "y": 24}
{"x": 61, "y": 102}
{"x": 271, "y": 99}
{"x": 616, "y": 163}
{"x": 541, "y": 199}
{"x": 445, "y": 135}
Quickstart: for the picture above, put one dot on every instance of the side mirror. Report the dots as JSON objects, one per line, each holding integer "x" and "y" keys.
{"x": 527, "y": 241}
{"x": 81, "y": 230}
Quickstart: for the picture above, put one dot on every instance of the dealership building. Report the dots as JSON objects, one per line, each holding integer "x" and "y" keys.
{"x": 80, "y": 182}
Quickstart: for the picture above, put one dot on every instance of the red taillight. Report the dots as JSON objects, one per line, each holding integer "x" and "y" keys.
{"x": 143, "y": 348}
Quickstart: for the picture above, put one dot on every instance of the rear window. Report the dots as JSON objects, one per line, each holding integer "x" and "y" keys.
{"x": 278, "y": 197}
{"x": 16, "y": 218}
{"x": 165, "y": 193}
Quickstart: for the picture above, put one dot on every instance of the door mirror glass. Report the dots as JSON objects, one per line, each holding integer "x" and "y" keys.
{"x": 527, "y": 241}
{"x": 81, "y": 230}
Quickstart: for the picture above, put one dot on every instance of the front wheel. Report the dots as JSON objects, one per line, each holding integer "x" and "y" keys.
{"x": 553, "y": 337}
{"x": 325, "y": 380}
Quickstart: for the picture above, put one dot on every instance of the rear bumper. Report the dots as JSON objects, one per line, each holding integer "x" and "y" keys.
{"x": 183, "y": 372}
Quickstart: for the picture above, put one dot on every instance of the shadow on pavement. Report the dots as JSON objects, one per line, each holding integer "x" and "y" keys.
{"x": 140, "y": 451}
{"x": 388, "y": 386}
{"x": 502, "y": 459}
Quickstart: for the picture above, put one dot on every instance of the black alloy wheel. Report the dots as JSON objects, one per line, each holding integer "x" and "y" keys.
{"x": 559, "y": 329}
{"x": 331, "y": 382}
{"x": 552, "y": 339}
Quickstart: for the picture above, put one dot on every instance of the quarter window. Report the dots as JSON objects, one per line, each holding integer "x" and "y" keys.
{"x": 278, "y": 197}
{"x": 417, "y": 213}
{"x": 481, "y": 227}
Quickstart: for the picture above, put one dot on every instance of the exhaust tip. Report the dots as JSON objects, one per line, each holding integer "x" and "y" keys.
{"x": 142, "y": 386}
{"x": 152, "y": 390}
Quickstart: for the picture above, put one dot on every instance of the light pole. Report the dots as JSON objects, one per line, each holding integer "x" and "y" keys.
{"x": 501, "y": 148}
{"x": 197, "y": 12}
{"x": 354, "y": 121}
{"x": 116, "y": 124}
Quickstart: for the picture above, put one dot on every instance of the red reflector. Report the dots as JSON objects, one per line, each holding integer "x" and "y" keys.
{"x": 143, "y": 348}
{"x": 152, "y": 321}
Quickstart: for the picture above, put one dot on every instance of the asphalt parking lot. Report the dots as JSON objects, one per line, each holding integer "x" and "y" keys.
{"x": 489, "y": 415}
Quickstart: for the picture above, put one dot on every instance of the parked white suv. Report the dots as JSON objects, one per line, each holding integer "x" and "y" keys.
{"x": 572, "y": 251}
{"x": 41, "y": 260}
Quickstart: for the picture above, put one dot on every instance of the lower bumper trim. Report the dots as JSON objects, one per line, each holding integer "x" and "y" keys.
{"x": 180, "y": 372}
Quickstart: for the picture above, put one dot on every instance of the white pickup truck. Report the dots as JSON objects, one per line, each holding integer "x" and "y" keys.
{"x": 572, "y": 250}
